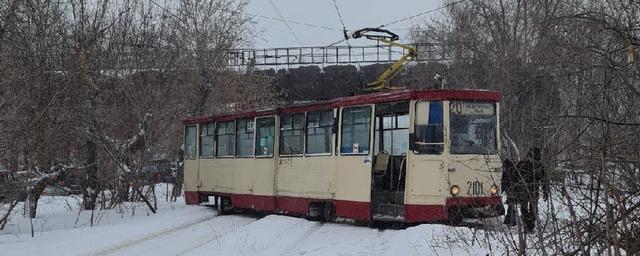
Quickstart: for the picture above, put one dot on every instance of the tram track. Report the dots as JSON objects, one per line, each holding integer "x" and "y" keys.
{"x": 216, "y": 237}
{"x": 131, "y": 243}
{"x": 130, "y": 247}
{"x": 271, "y": 235}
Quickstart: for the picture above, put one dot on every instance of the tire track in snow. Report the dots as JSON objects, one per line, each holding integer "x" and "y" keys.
{"x": 246, "y": 241}
{"x": 282, "y": 235}
{"x": 302, "y": 238}
{"x": 216, "y": 237}
{"x": 114, "y": 248}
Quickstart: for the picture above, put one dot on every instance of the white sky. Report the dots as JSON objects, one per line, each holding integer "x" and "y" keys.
{"x": 355, "y": 13}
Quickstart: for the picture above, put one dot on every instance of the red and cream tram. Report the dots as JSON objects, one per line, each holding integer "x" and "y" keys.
{"x": 406, "y": 156}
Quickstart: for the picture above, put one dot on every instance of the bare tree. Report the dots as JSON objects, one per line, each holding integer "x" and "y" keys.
{"x": 570, "y": 84}
{"x": 104, "y": 84}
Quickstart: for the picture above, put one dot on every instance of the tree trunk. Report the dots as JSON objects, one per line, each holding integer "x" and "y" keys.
{"x": 91, "y": 183}
{"x": 32, "y": 202}
{"x": 5, "y": 219}
{"x": 34, "y": 192}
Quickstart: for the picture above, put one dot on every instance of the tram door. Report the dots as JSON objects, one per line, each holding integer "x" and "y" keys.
{"x": 264, "y": 175}
{"x": 353, "y": 177}
{"x": 426, "y": 174}
{"x": 391, "y": 142}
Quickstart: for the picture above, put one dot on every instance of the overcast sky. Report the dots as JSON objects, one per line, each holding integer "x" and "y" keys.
{"x": 355, "y": 13}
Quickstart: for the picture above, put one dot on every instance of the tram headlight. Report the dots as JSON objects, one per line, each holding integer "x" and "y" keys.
{"x": 493, "y": 190}
{"x": 455, "y": 190}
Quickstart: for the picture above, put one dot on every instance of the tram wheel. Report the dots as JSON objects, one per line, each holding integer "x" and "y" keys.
{"x": 329, "y": 212}
{"x": 222, "y": 204}
{"x": 219, "y": 206}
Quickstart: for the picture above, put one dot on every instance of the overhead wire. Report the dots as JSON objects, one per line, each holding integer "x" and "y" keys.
{"x": 295, "y": 22}
{"x": 418, "y": 15}
{"x": 344, "y": 28}
{"x": 281, "y": 19}
{"x": 346, "y": 39}
{"x": 422, "y": 13}
{"x": 395, "y": 21}
{"x": 184, "y": 24}
{"x": 286, "y": 23}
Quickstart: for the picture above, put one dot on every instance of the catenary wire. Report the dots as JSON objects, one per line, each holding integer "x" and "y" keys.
{"x": 295, "y": 22}
{"x": 344, "y": 28}
{"x": 422, "y": 13}
{"x": 286, "y": 23}
{"x": 346, "y": 39}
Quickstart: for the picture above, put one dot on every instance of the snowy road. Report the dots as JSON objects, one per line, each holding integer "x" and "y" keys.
{"x": 283, "y": 235}
{"x": 165, "y": 243}
{"x": 178, "y": 229}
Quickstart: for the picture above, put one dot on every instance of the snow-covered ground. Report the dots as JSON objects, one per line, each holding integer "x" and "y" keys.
{"x": 178, "y": 229}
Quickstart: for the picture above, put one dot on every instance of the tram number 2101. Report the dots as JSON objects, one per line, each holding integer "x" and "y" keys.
{"x": 475, "y": 188}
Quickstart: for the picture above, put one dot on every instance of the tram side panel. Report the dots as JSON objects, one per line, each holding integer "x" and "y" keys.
{"x": 231, "y": 177}
{"x": 353, "y": 187}
{"x": 302, "y": 180}
{"x": 208, "y": 173}
{"x": 425, "y": 193}
{"x": 221, "y": 176}
{"x": 264, "y": 198}
{"x": 190, "y": 166}
{"x": 241, "y": 171}
{"x": 248, "y": 182}
{"x": 191, "y": 181}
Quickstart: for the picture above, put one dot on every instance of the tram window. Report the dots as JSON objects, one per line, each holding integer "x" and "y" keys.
{"x": 403, "y": 121}
{"x": 473, "y": 128}
{"x": 226, "y": 138}
{"x": 206, "y": 139}
{"x": 400, "y": 141}
{"x": 244, "y": 138}
{"x": 319, "y": 132}
{"x": 429, "y": 135}
{"x": 265, "y": 129}
{"x": 395, "y": 134}
{"x": 190, "y": 142}
{"x": 356, "y": 123}
{"x": 292, "y": 134}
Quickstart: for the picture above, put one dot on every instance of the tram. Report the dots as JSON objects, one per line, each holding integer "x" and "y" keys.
{"x": 400, "y": 156}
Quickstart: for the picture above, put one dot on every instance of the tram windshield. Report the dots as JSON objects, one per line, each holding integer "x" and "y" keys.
{"x": 473, "y": 127}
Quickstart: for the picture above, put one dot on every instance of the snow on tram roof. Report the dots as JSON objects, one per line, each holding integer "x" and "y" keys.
{"x": 362, "y": 99}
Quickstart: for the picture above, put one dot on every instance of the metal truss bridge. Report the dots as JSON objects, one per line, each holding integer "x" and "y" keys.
{"x": 242, "y": 58}
{"x": 332, "y": 55}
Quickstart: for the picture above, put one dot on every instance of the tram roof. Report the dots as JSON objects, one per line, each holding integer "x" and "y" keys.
{"x": 372, "y": 98}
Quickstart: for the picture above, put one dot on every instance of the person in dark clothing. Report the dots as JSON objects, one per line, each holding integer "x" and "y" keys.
{"x": 509, "y": 175}
{"x": 531, "y": 176}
